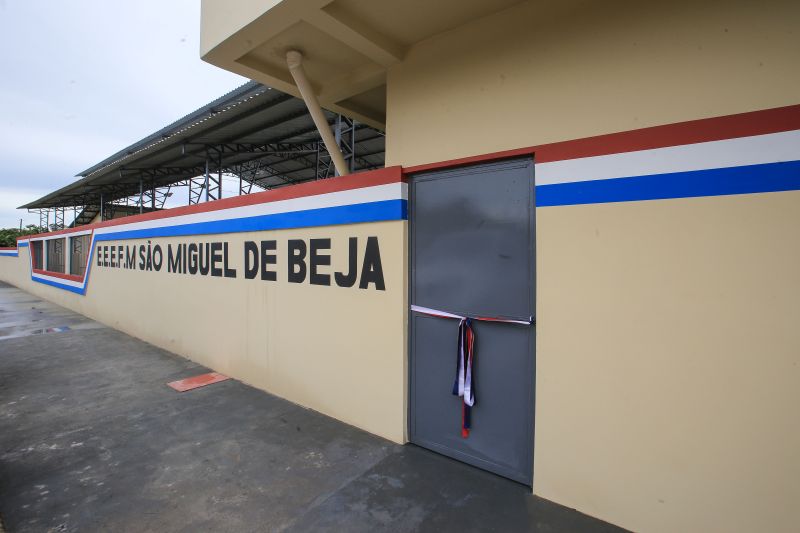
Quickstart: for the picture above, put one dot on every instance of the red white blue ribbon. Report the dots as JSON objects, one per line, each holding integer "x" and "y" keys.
{"x": 464, "y": 383}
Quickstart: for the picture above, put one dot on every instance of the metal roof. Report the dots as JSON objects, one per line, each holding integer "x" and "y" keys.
{"x": 253, "y": 127}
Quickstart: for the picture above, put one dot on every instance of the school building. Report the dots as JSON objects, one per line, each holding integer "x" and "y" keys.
{"x": 575, "y": 262}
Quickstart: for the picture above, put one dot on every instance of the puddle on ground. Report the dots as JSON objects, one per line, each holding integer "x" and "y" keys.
{"x": 50, "y": 330}
{"x": 10, "y": 333}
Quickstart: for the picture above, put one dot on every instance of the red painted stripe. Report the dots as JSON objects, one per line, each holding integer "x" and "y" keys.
{"x": 6, "y": 248}
{"x": 695, "y": 131}
{"x": 59, "y": 232}
{"x": 58, "y": 275}
{"x": 371, "y": 178}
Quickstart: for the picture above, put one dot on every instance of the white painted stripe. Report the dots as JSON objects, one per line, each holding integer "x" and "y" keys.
{"x": 391, "y": 191}
{"x": 756, "y": 150}
{"x": 377, "y": 193}
{"x": 78, "y": 284}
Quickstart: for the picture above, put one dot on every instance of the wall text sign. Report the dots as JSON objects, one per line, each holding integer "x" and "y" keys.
{"x": 304, "y": 260}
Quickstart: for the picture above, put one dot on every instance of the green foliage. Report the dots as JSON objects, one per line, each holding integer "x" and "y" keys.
{"x": 8, "y": 236}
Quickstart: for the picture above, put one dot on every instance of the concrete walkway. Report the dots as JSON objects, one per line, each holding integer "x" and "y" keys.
{"x": 91, "y": 439}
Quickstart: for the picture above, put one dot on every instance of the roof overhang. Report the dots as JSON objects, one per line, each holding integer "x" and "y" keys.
{"x": 348, "y": 45}
{"x": 263, "y": 135}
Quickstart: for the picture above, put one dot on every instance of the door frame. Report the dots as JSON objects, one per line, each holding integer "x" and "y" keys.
{"x": 455, "y": 454}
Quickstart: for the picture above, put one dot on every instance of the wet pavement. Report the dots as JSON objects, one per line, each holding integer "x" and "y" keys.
{"x": 22, "y": 314}
{"x": 92, "y": 439}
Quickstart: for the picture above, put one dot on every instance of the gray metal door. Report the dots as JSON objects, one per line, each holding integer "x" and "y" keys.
{"x": 472, "y": 254}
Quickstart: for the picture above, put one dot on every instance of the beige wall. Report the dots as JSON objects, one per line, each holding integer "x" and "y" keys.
{"x": 337, "y": 350}
{"x": 668, "y": 359}
{"x": 552, "y": 70}
{"x": 15, "y": 270}
{"x": 668, "y": 354}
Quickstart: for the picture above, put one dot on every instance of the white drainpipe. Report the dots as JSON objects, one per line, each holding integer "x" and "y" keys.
{"x": 295, "y": 61}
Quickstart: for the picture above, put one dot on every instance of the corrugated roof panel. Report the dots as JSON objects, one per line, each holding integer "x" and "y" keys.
{"x": 251, "y": 114}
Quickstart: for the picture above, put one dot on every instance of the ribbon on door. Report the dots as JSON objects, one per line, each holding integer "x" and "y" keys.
{"x": 464, "y": 383}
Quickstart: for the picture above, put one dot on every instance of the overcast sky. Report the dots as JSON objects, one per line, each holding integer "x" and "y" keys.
{"x": 82, "y": 79}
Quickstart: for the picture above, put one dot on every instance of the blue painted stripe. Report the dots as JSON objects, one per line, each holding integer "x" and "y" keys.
{"x": 22, "y": 244}
{"x": 326, "y": 216}
{"x": 76, "y": 290}
{"x": 769, "y": 177}
{"x": 9, "y": 254}
{"x": 349, "y": 214}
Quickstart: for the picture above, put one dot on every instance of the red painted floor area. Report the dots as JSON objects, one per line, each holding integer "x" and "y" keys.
{"x": 194, "y": 382}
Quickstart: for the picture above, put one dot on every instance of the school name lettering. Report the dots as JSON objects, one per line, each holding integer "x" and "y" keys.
{"x": 305, "y": 261}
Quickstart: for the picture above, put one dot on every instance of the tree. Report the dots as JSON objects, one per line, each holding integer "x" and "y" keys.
{"x": 8, "y": 236}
